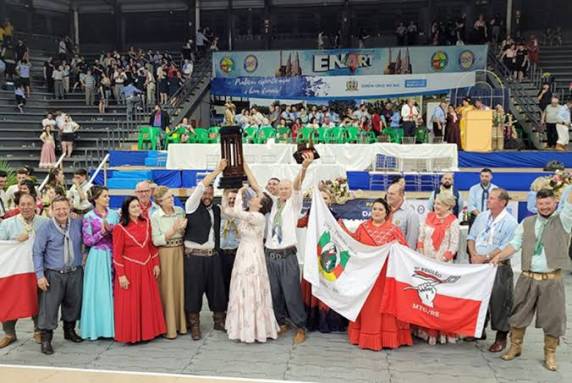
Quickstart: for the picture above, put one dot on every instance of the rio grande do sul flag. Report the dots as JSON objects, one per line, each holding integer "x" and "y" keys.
{"x": 18, "y": 287}
{"x": 341, "y": 270}
{"x": 436, "y": 295}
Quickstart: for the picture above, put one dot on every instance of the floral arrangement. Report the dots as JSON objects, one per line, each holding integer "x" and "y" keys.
{"x": 338, "y": 188}
{"x": 557, "y": 182}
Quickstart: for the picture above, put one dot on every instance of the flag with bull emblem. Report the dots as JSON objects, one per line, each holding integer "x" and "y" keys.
{"x": 341, "y": 270}
{"x": 442, "y": 296}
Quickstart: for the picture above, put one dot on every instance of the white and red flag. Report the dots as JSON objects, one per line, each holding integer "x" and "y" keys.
{"x": 448, "y": 297}
{"x": 18, "y": 286}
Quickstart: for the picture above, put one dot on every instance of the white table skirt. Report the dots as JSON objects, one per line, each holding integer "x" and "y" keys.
{"x": 353, "y": 157}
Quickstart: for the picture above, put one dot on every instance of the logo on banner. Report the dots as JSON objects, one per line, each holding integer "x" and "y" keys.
{"x": 430, "y": 279}
{"x": 439, "y": 61}
{"x": 226, "y": 64}
{"x": 250, "y": 63}
{"x": 466, "y": 59}
{"x": 352, "y": 86}
{"x": 351, "y": 61}
{"x": 331, "y": 261}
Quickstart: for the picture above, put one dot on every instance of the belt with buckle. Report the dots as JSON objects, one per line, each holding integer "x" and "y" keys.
{"x": 200, "y": 252}
{"x": 280, "y": 253}
{"x": 174, "y": 243}
{"x": 542, "y": 276}
{"x": 66, "y": 270}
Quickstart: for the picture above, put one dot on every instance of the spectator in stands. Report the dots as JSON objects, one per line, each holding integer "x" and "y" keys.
{"x": 552, "y": 116}
{"x": 412, "y": 33}
{"x": 159, "y": 118}
{"x": 58, "y": 78}
{"x": 410, "y": 116}
{"x": 533, "y": 48}
{"x": 131, "y": 94}
{"x": 563, "y": 127}
{"x": 521, "y": 61}
{"x": 480, "y": 30}
{"x": 23, "y": 69}
{"x": 48, "y": 153}
{"x": 544, "y": 97}
{"x": 495, "y": 29}
{"x": 508, "y": 57}
{"x": 401, "y": 33}
{"x": 89, "y": 83}
{"x": 62, "y": 49}
{"x": 460, "y": 26}
{"x": 67, "y": 135}
{"x": 447, "y": 187}
{"x": 20, "y": 95}
{"x": 201, "y": 41}
{"x": 439, "y": 119}
{"x": 8, "y": 55}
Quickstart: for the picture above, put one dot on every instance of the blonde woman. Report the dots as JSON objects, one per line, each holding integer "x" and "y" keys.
{"x": 439, "y": 240}
{"x": 168, "y": 226}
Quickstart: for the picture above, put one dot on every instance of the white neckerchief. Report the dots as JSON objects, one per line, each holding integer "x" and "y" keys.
{"x": 493, "y": 225}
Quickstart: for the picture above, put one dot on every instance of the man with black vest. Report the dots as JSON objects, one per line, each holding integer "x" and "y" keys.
{"x": 544, "y": 240}
{"x": 203, "y": 270}
{"x": 447, "y": 187}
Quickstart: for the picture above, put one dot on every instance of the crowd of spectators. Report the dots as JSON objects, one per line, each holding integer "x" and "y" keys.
{"x": 115, "y": 78}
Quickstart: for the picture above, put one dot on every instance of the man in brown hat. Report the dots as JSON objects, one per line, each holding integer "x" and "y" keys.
{"x": 544, "y": 240}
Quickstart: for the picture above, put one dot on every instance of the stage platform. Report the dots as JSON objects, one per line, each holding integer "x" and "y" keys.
{"x": 513, "y": 159}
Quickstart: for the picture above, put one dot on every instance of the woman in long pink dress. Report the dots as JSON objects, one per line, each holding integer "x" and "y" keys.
{"x": 48, "y": 154}
{"x": 373, "y": 330}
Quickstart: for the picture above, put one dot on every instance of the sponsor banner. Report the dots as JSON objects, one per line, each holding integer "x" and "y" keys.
{"x": 339, "y": 87}
{"x": 344, "y": 62}
{"x": 361, "y": 208}
{"x": 18, "y": 286}
{"x": 441, "y": 296}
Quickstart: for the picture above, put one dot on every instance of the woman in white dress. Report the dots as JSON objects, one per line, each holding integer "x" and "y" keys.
{"x": 250, "y": 316}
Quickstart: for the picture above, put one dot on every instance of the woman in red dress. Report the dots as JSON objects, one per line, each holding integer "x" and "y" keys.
{"x": 373, "y": 330}
{"x": 137, "y": 302}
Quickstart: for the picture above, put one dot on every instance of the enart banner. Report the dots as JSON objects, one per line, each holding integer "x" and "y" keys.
{"x": 344, "y": 62}
{"x": 339, "y": 87}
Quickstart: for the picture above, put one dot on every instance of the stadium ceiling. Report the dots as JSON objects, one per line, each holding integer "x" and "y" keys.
{"x": 104, "y": 6}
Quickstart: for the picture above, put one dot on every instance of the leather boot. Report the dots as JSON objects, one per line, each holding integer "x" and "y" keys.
{"x": 46, "y": 346}
{"x": 70, "y": 334}
{"x": 516, "y": 339}
{"x": 219, "y": 318}
{"x": 500, "y": 342}
{"x": 550, "y": 344}
{"x": 195, "y": 321}
{"x": 7, "y": 340}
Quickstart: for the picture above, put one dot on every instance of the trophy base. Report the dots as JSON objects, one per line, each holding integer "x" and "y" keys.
{"x": 231, "y": 182}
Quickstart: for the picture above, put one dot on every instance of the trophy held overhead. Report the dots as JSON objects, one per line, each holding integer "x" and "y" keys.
{"x": 231, "y": 150}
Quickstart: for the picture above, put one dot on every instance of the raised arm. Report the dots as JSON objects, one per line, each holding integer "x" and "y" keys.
{"x": 251, "y": 179}
{"x": 308, "y": 158}
{"x": 214, "y": 174}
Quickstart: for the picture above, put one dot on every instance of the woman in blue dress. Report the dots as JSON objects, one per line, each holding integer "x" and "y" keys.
{"x": 97, "y": 306}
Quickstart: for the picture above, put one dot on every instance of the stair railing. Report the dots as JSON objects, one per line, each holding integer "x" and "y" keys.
{"x": 58, "y": 164}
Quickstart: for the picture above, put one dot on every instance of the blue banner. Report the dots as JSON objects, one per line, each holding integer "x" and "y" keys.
{"x": 350, "y": 62}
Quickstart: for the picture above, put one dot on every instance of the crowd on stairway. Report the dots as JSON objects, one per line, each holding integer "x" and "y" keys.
{"x": 131, "y": 78}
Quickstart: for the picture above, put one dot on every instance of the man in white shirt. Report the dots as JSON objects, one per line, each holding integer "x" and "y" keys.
{"x": 203, "y": 269}
{"x": 409, "y": 116}
{"x": 78, "y": 193}
{"x": 280, "y": 250}
{"x": 479, "y": 193}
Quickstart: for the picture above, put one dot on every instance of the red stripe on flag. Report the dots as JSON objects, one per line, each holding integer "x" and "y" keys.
{"x": 18, "y": 296}
{"x": 448, "y": 314}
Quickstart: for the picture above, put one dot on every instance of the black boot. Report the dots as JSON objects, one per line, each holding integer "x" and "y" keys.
{"x": 46, "y": 346}
{"x": 70, "y": 334}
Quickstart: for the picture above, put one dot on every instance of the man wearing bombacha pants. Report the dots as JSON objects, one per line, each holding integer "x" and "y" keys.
{"x": 544, "y": 240}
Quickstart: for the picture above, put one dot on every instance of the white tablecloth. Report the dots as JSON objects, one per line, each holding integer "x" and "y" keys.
{"x": 354, "y": 157}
